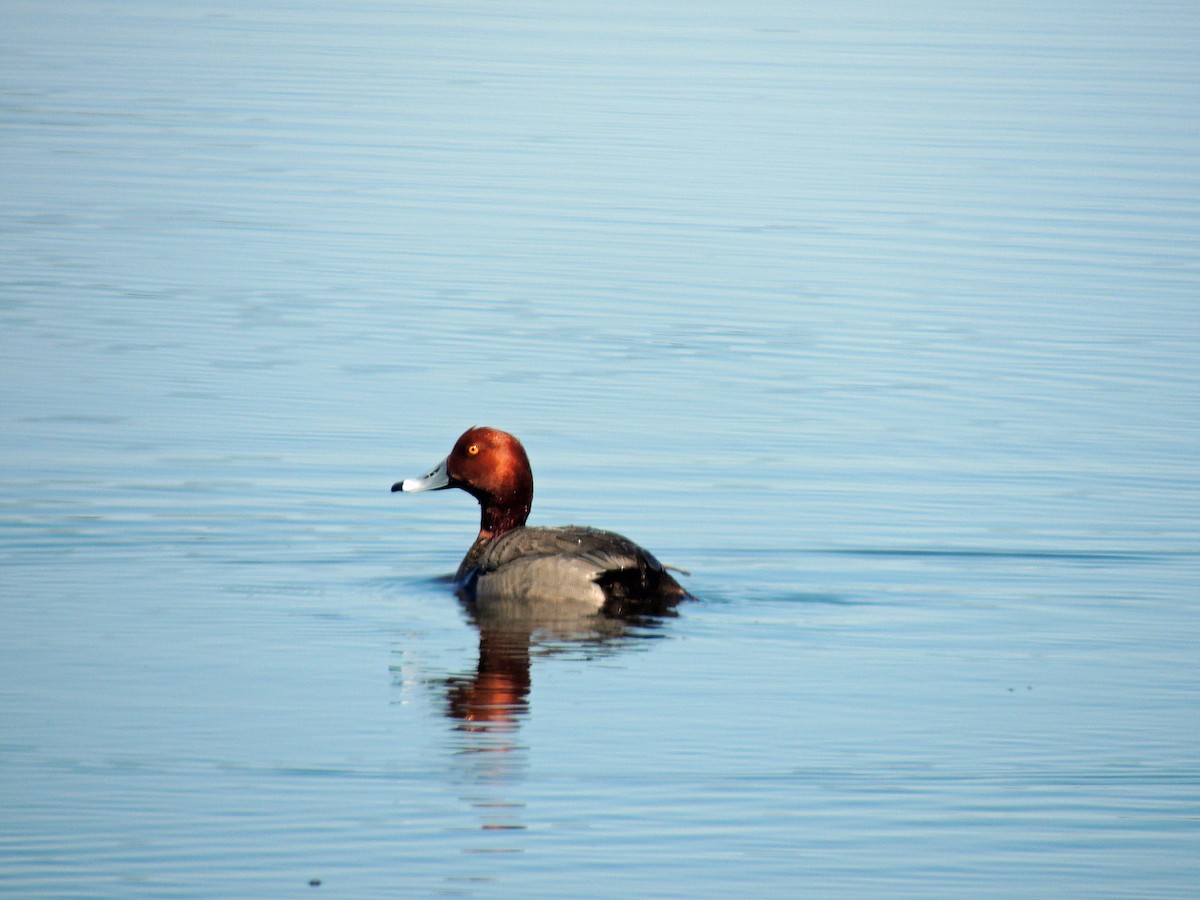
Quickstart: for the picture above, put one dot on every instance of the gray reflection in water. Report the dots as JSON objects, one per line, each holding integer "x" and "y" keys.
{"x": 494, "y": 697}
{"x": 489, "y": 704}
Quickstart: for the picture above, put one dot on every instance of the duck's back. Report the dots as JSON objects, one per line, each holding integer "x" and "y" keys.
{"x": 571, "y": 563}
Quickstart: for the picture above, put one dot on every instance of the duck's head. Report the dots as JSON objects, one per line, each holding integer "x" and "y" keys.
{"x": 491, "y": 466}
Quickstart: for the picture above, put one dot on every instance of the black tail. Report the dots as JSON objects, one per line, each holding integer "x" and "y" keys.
{"x": 639, "y": 590}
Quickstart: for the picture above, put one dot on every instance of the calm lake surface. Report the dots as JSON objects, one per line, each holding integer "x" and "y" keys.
{"x": 883, "y": 323}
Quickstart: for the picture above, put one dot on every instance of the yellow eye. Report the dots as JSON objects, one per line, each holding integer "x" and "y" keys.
{"x": 473, "y": 449}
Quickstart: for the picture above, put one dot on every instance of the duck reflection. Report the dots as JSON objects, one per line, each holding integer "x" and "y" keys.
{"x": 488, "y": 705}
{"x": 497, "y": 693}
{"x": 495, "y": 697}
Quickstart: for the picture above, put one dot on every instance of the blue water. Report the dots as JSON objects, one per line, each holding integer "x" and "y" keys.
{"x": 882, "y": 322}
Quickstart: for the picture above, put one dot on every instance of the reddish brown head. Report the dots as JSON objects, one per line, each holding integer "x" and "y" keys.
{"x": 492, "y": 467}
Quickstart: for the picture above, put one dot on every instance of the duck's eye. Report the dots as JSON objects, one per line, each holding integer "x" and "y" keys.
{"x": 473, "y": 449}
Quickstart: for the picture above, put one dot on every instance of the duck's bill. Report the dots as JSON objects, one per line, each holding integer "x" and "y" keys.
{"x": 436, "y": 480}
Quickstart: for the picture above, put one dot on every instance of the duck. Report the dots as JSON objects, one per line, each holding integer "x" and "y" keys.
{"x": 517, "y": 566}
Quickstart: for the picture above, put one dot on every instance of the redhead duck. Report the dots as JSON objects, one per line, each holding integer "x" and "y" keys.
{"x": 512, "y": 563}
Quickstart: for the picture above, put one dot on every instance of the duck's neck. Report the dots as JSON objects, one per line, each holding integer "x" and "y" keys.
{"x": 495, "y": 519}
{"x": 494, "y": 522}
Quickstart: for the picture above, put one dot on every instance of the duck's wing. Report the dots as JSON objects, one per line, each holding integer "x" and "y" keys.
{"x": 604, "y": 550}
{"x": 588, "y": 564}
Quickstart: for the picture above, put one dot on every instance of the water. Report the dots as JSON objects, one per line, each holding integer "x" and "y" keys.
{"x": 882, "y": 322}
